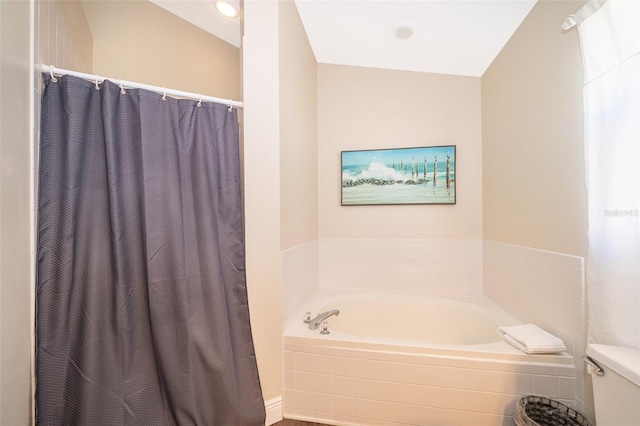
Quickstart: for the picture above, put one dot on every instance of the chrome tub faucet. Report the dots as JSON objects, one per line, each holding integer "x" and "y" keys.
{"x": 314, "y": 323}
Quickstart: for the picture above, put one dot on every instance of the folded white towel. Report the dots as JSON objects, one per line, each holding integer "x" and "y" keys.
{"x": 531, "y": 339}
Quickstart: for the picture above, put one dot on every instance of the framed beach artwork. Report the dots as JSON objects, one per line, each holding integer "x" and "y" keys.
{"x": 423, "y": 175}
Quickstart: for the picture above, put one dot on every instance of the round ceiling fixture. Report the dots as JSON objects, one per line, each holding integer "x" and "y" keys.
{"x": 404, "y": 31}
{"x": 227, "y": 9}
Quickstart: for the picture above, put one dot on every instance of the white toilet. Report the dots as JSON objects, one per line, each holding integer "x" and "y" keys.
{"x": 616, "y": 392}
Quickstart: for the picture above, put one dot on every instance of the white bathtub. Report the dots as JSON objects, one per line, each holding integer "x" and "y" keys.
{"x": 423, "y": 320}
{"x": 412, "y": 359}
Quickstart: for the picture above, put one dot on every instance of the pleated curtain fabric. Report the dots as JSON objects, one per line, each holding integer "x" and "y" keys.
{"x": 142, "y": 314}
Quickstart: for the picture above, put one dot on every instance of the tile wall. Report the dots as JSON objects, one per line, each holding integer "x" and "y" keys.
{"x": 442, "y": 267}
{"x": 429, "y": 266}
{"x": 53, "y": 41}
{"x": 299, "y": 277}
{"x": 543, "y": 288}
{"x": 359, "y": 387}
{"x": 349, "y": 386}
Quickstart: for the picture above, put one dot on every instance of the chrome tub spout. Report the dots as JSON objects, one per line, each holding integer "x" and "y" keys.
{"x": 314, "y": 323}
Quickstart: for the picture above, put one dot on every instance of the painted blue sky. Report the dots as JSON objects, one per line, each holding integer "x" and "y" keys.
{"x": 388, "y": 156}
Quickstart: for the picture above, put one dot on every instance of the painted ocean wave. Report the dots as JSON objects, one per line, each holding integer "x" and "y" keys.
{"x": 377, "y": 173}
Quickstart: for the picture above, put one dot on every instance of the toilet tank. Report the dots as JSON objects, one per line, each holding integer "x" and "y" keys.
{"x": 616, "y": 393}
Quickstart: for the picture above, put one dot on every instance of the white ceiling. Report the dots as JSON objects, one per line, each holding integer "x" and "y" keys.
{"x": 459, "y": 37}
{"x": 203, "y": 14}
{"x": 450, "y": 36}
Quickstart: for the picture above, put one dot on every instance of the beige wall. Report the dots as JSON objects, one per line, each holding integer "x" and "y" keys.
{"x": 15, "y": 213}
{"x": 364, "y": 108}
{"x": 298, "y": 132}
{"x": 262, "y": 188}
{"x": 279, "y": 82}
{"x": 139, "y": 41}
{"x": 62, "y": 35}
{"x": 72, "y": 40}
{"x": 532, "y": 136}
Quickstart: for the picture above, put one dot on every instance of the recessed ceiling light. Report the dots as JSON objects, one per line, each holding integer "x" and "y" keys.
{"x": 404, "y": 31}
{"x": 227, "y": 9}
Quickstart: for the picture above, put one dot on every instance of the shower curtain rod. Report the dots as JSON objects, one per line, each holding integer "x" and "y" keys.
{"x": 132, "y": 85}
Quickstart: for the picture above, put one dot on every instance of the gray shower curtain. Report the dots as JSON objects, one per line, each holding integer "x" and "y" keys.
{"x": 142, "y": 315}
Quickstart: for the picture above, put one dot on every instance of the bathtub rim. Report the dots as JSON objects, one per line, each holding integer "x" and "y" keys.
{"x": 297, "y": 333}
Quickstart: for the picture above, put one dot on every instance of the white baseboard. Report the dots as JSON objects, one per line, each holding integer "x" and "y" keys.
{"x": 274, "y": 410}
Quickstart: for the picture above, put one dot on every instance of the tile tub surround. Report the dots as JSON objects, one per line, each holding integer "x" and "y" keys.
{"x": 299, "y": 277}
{"x": 444, "y": 267}
{"x": 543, "y": 288}
{"x": 343, "y": 385}
{"x": 535, "y": 286}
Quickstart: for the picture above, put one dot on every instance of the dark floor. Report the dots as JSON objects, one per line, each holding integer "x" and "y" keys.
{"x": 287, "y": 422}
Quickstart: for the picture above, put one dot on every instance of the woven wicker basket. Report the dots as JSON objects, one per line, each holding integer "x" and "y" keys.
{"x": 539, "y": 411}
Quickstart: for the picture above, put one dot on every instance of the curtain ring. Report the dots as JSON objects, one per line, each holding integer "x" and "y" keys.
{"x": 200, "y": 100}
{"x": 53, "y": 78}
{"x": 97, "y": 86}
{"x": 122, "y": 89}
{"x": 164, "y": 93}
{"x": 230, "y": 105}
